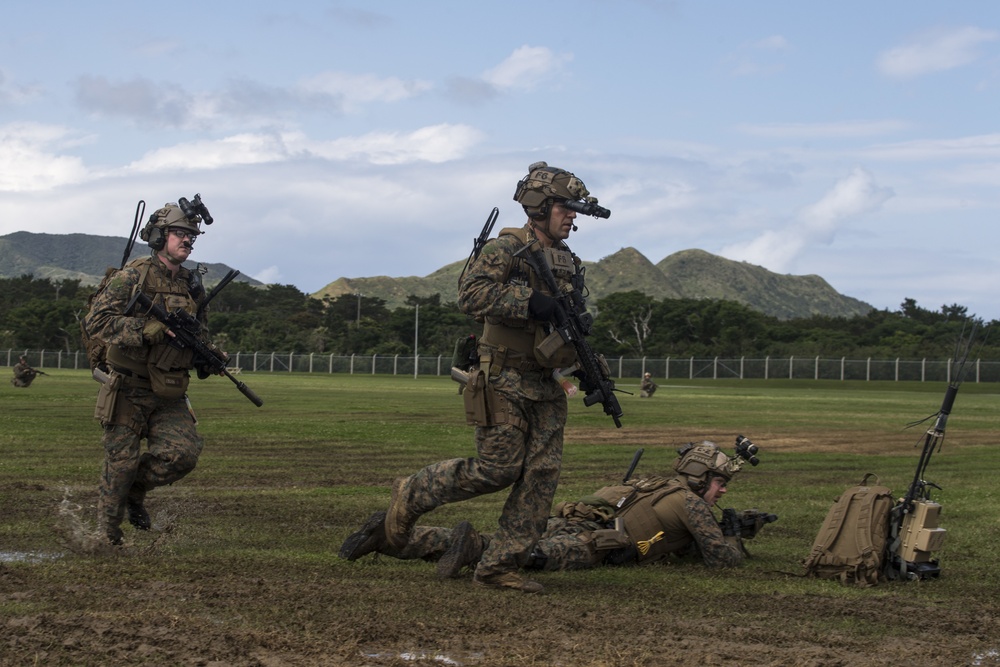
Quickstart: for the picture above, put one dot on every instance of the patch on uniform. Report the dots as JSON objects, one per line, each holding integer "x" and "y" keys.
{"x": 560, "y": 261}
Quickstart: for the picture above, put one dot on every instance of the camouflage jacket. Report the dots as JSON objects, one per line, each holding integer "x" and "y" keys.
{"x": 650, "y": 505}
{"x": 108, "y": 321}
{"x": 496, "y": 287}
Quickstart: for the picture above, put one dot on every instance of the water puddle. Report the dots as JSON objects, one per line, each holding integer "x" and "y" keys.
{"x": 437, "y": 658}
{"x": 991, "y": 657}
{"x": 26, "y": 556}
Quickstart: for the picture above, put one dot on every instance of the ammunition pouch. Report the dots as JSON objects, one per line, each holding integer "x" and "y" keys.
{"x": 609, "y": 539}
{"x": 167, "y": 368}
{"x": 602, "y": 513}
{"x": 475, "y": 398}
{"x": 484, "y": 406}
{"x": 169, "y": 385}
{"x": 551, "y": 351}
{"x": 107, "y": 399}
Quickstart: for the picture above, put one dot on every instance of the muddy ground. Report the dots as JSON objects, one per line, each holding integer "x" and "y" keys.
{"x": 188, "y": 593}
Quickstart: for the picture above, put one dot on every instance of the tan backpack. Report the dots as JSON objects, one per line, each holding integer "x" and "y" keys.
{"x": 851, "y": 544}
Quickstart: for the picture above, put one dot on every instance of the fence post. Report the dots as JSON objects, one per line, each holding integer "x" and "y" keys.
{"x": 395, "y": 363}
{"x": 843, "y": 361}
{"x": 691, "y": 368}
{"x": 868, "y": 370}
{"x": 620, "y": 366}
{"x": 923, "y": 369}
{"x": 642, "y": 373}
{"x": 897, "y": 369}
{"x": 791, "y": 365}
{"x": 742, "y": 359}
{"x": 816, "y": 372}
{"x": 331, "y": 364}
{"x": 373, "y": 363}
{"x": 715, "y": 368}
{"x": 666, "y": 371}
{"x": 767, "y": 366}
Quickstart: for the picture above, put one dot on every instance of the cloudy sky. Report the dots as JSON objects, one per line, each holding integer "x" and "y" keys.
{"x": 859, "y": 141}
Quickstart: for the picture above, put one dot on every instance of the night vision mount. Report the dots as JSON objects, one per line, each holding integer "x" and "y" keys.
{"x": 192, "y": 210}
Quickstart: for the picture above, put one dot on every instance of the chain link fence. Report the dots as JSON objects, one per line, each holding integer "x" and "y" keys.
{"x": 791, "y": 368}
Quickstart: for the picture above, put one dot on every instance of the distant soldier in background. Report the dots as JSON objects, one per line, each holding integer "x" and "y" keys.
{"x": 647, "y": 387}
{"x": 24, "y": 374}
{"x": 641, "y": 521}
{"x": 145, "y": 380}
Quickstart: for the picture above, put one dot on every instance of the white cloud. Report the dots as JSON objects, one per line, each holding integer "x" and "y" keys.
{"x": 838, "y": 130}
{"x": 435, "y": 143}
{"x": 27, "y": 160}
{"x": 526, "y": 68}
{"x": 979, "y": 146}
{"x": 356, "y": 90}
{"x": 934, "y": 51}
{"x": 15, "y": 93}
{"x": 772, "y": 43}
{"x": 234, "y": 150}
{"x": 853, "y": 196}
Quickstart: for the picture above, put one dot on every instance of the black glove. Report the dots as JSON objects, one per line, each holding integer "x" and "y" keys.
{"x": 542, "y": 307}
{"x": 585, "y": 385}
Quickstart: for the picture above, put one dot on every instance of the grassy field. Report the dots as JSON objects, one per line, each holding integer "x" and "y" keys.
{"x": 241, "y": 567}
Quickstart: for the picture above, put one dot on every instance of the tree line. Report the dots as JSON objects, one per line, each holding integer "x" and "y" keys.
{"x": 40, "y": 313}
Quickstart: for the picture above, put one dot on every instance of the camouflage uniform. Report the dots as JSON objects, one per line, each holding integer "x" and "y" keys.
{"x": 167, "y": 424}
{"x": 521, "y": 448}
{"x": 582, "y": 534}
{"x": 24, "y": 374}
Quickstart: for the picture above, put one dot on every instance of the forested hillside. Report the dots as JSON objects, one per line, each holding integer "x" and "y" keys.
{"x": 40, "y": 313}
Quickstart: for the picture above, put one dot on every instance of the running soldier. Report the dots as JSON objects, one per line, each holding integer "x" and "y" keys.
{"x": 145, "y": 380}
{"x": 518, "y": 407}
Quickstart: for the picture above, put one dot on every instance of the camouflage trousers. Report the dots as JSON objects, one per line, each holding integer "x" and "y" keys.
{"x": 527, "y": 461}
{"x": 568, "y": 545}
{"x": 426, "y": 543}
{"x": 172, "y": 442}
{"x": 565, "y": 545}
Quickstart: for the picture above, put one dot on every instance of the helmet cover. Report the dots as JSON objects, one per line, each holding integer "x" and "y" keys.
{"x": 163, "y": 219}
{"x": 698, "y": 461}
{"x": 544, "y": 183}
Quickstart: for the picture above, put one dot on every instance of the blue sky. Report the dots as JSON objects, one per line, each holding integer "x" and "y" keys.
{"x": 857, "y": 141}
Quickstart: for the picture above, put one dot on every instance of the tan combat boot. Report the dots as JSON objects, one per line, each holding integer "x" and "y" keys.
{"x": 509, "y": 580}
{"x": 370, "y": 538}
{"x": 465, "y": 550}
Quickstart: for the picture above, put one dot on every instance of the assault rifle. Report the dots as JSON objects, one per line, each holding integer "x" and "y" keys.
{"x": 914, "y": 534}
{"x": 746, "y": 524}
{"x": 573, "y": 324}
{"x": 187, "y": 336}
{"x": 480, "y": 241}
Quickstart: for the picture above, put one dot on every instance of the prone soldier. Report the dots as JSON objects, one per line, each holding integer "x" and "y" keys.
{"x": 644, "y": 520}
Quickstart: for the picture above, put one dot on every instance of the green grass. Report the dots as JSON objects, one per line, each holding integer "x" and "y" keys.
{"x": 254, "y": 530}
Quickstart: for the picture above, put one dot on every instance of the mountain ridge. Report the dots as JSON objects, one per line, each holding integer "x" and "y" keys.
{"x": 691, "y": 273}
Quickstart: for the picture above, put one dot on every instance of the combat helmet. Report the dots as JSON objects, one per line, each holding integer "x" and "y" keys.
{"x": 545, "y": 185}
{"x": 181, "y": 215}
{"x": 699, "y": 462}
